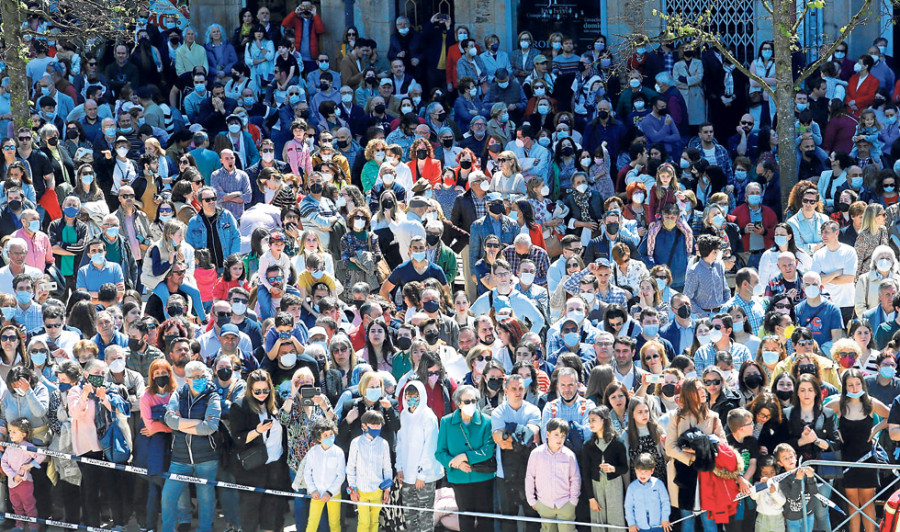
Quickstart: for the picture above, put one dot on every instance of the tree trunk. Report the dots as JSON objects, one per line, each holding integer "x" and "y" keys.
{"x": 16, "y": 49}
{"x": 785, "y": 13}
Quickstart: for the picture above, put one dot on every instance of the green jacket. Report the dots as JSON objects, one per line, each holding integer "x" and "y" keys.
{"x": 452, "y": 442}
{"x": 447, "y": 262}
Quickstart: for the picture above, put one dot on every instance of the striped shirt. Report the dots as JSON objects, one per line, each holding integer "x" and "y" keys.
{"x": 368, "y": 463}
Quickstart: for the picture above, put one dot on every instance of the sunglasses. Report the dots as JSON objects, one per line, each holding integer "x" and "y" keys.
{"x": 652, "y": 357}
{"x": 234, "y": 301}
{"x": 24, "y": 139}
{"x": 9, "y": 148}
{"x": 126, "y": 196}
{"x": 268, "y": 150}
{"x": 481, "y": 358}
{"x": 847, "y": 354}
{"x": 804, "y": 343}
{"x": 223, "y": 314}
{"x": 716, "y": 382}
{"x": 185, "y": 161}
{"x": 503, "y": 160}
{"x": 207, "y": 200}
{"x": 810, "y": 201}
{"x": 6, "y": 338}
{"x": 52, "y": 325}
{"x": 745, "y": 123}
{"x": 260, "y": 393}
{"x": 492, "y": 245}
{"x": 178, "y": 272}
{"x": 468, "y": 401}
{"x": 275, "y": 279}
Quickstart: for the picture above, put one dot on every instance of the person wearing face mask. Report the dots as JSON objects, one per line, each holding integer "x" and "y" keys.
{"x": 507, "y": 90}
{"x": 40, "y": 253}
{"x": 635, "y": 86}
{"x": 533, "y": 158}
{"x": 495, "y": 222}
{"x": 267, "y": 161}
{"x": 406, "y": 44}
{"x": 670, "y": 241}
{"x": 140, "y": 354}
{"x": 505, "y": 295}
{"x": 884, "y": 385}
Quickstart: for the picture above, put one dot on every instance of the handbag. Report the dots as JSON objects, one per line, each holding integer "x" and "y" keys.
{"x": 253, "y": 457}
{"x": 382, "y": 270}
{"x": 554, "y": 247}
{"x": 116, "y": 447}
{"x": 488, "y": 466}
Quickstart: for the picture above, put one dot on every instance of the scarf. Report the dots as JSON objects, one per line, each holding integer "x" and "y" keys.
{"x": 581, "y": 201}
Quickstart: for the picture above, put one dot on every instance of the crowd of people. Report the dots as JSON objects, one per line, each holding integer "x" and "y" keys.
{"x": 443, "y": 273}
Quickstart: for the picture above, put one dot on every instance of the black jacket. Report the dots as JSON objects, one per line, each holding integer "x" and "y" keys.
{"x": 463, "y": 214}
{"x": 824, "y": 427}
{"x": 347, "y": 430}
{"x": 55, "y": 232}
{"x": 244, "y": 420}
{"x": 591, "y": 458}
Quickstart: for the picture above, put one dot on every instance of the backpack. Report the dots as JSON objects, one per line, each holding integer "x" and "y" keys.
{"x": 116, "y": 437}
{"x": 891, "y": 520}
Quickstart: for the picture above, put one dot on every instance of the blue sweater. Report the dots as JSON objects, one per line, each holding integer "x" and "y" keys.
{"x": 647, "y": 505}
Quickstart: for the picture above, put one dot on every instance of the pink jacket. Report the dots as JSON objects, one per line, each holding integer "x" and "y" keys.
{"x": 12, "y": 461}
{"x": 148, "y": 401}
{"x": 84, "y": 428}
{"x": 296, "y": 154}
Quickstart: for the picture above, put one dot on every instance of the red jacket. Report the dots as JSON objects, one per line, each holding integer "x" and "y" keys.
{"x": 656, "y": 204}
{"x": 719, "y": 487}
{"x": 769, "y": 221}
{"x": 864, "y": 95}
{"x": 431, "y": 170}
{"x": 295, "y": 23}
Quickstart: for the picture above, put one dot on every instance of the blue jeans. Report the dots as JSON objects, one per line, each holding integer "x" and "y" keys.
{"x": 265, "y": 302}
{"x": 163, "y": 292}
{"x": 797, "y": 526}
{"x": 822, "y": 512}
{"x": 229, "y": 499}
{"x": 688, "y": 524}
{"x": 301, "y": 510}
{"x": 206, "y": 495}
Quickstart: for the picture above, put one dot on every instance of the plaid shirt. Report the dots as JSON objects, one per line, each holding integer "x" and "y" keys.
{"x": 723, "y": 160}
{"x": 481, "y": 209}
{"x": 706, "y": 356}
{"x": 32, "y": 317}
{"x": 754, "y": 310}
{"x": 613, "y": 295}
{"x": 536, "y": 254}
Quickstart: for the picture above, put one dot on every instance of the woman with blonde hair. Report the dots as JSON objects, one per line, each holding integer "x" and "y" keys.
{"x": 663, "y": 191}
{"x": 375, "y": 155}
{"x": 163, "y": 255}
{"x": 167, "y": 169}
{"x": 508, "y": 180}
{"x": 872, "y": 234}
{"x": 310, "y": 244}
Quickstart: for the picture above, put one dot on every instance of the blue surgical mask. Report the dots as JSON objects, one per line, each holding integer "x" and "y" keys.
{"x": 651, "y": 330}
{"x": 403, "y": 31}
{"x": 109, "y": 132}
{"x": 71, "y": 212}
{"x": 887, "y": 372}
{"x": 504, "y": 117}
{"x": 112, "y": 232}
{"x": 754, "y": 199}
{"x": 888, "y": 189}
{"x": 418, "y": 256}
{"x": 802, "y": 106}
{"x": 718, "y": 219}
{"x": 64, "y": 387}
{"x": 856, "y": 182}
{"x": 45, "y": 91}
{"x": 328, "y": 442}
{"x": 781, "y": 240}
{"x": 373, "y": 394}
{"x": 8, "y": 313}
{"x": 98, "y": 258}
{"x": 24, "y": 297}
{"x": 249, "y": 101}
{"x": 685, "y": 164}
{"x": 234, "y": 128}
{"x": 527, "y": 382}
{"x": 294, "y": 99}
{"x": 740, "y": 175}
{"x": 571, "y": 338}
{"x": 770, "y": 357}
{"x": 503, "y": 84}
{"x": 318, "y": 274}
{"x": 374, "y": 433}
{"x": 198, "y": 385}
{"x": 39, "y": 358}
{"x": 766, "y": 54}
{"x": 855, "y": 395}
{"x": 544, "y": 141}
{"x": 200, "y": 88}
{"x": 660, "y": 283}
{"x": 543, "y": 109}
{"x": 891, "y": 119}
{"x": 34, "y": 226}
{"x": 323, "y": 65}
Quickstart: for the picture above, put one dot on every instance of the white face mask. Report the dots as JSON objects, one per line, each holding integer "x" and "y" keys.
{"x": 545, "y": 190}
{"x": 468, "y": 410}
{"x": 485, "y": 185}
{"x": 582, "y": 188}
{"x": 268, "y": 157}
{"x": 122, "y": 152}
{"x": 388, "y": 179}
{"x": 527, "y": 278}
{"x": 117, "y": 366}
{"x": 715, "y": 335}
{"x": 359, "y": 225}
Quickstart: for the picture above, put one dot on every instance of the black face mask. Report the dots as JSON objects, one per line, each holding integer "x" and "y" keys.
{"x": 432, "y": 240}
{"x": 441, "y": 116}
{"x": 379, "y": 108}
{"x": 494, "y": 385}
{"x": 753, "y": 381}
{"x": 684, "y": 311}
{"x": 568, "y": 151}
{"x": 224, "y": 374}
{"x": 404, "y": 343}
{"x": 784, "y": 395}
{"x": 431, "y": 337}
{"x": 844, "y": 207}
{"x": 668, "y": 390}
{"x": 447, "y": 143}
{"x": 612, "y": 228}
{"x": 222, "y": 321}
{"x": 135, "y": 345}
{"x": 497, "y": 208}
{"x": 387, "y": 204}
{"x": 465, "y": 165}
{"x": 304, "y": 113}
{"x": 162, "y": 381}
{"x": 370, "y": 80}
{"x": 175, "y": 311}
{"x": 316, "y": 188}
{"x": 53, "y": 141}
{"x": 431, "y": 306}
{"x": 602, "y": 115}
{"x": 324, "y": 86}
{"x": 342, "y": 144}
{"x": 15, "y": 205}
{"x": 494, "y": 148}
{"x": 421, "y": 154}
{"x": 169, "y": 338}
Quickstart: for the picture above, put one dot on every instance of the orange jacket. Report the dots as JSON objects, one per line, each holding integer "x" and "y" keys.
{"x": 431, "y": 171}
{"x": 295, "y": 23}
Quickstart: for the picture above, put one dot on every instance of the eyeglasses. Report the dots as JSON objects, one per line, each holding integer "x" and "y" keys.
{"x": 847, "y": 354}
{"x": 481, "y": 358}
{"x": 260, "y": 393}
{"x": 268, "y": 150}
{"x": 207, "y": 200}
{"x": 810, "y": 201}
{"x": 766, "y": 417}
{"x": 804, "y": 343}
{"x": 7, "y": 338}
{"x": 52, "y": 325}
{"x": 711, "y": 382}
{"x": 126, "y": 196}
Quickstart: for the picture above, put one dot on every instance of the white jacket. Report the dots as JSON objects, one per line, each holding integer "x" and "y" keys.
{"x": 417, "y": 441}
{"x": 324, "y": 470}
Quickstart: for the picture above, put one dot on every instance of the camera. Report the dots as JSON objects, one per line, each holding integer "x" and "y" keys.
{"x": 306, "y": 395}
{"x": 655, "y": 379}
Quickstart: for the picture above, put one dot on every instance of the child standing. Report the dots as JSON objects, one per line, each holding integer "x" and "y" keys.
{"x": 17, "y": 464}
{"x": 603, "y": 462}
{"x": 369, "y": 472}
{"x": 647, "y": 499}
{"x": 790, "y": 488}
{"x": 274, "y": 257}
{"x": 770, "y": 501}
{"x": 324, "y": 474}
{"x": 740, "y": 423}
{"x": 552, "y": 460}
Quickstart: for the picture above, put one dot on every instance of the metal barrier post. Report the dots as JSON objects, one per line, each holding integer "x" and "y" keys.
{"x": 803, "y": 519}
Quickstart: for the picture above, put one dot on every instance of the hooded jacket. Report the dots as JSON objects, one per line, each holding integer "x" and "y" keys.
{"x": 417, "y": 440}
{"x": 206, "y": 407}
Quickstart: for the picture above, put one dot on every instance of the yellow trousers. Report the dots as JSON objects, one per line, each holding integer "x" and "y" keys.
{"x": 368, "y": 515}
{"x": 315, "y": 514}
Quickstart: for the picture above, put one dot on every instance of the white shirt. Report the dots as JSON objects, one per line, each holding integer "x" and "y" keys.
{"x": 825, "y": 261}
{"x": 6, "y": 277}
